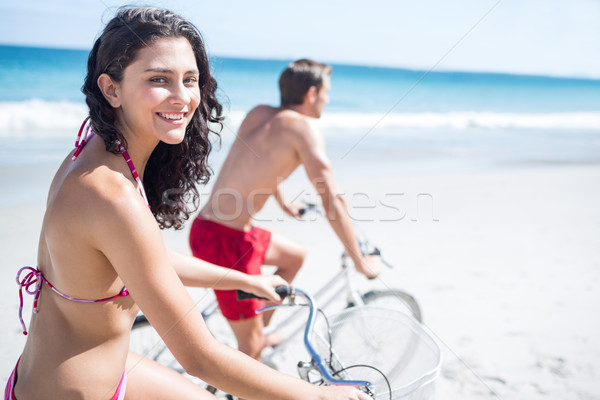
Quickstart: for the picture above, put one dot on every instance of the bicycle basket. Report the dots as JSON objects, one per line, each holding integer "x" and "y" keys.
{"x": 393, "y": 342}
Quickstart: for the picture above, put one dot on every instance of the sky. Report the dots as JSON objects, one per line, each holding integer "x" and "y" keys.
{"x": 542, "y": 37}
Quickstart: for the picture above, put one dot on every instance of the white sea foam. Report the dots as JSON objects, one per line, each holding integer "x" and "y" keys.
{"x": 465, "y": 120}
{"x": 38, "y": 118}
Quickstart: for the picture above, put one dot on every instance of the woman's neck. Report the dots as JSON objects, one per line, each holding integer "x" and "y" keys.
{"x": 139, "y": 148}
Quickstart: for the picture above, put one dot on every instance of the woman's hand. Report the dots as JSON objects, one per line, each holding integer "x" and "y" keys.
{"x": 264, "y": 286}
{"x": 344, "y": 393}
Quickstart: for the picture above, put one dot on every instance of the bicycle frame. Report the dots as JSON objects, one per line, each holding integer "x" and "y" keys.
{"x": 329, "y": 292}
{"x": 316, "y": 359}
{"x": 326, "y": 295}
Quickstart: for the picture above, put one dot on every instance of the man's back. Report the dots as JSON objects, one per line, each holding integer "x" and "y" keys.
{"x": 262, "y": 156}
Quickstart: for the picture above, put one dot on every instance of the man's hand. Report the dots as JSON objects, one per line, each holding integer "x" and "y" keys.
{"x": 369, "y": 266}
{"x": 293, "y": 209}
{"x": 264, "y": 286}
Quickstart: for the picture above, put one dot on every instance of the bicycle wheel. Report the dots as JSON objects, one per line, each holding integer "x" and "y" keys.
{"x": 393, "y": 299}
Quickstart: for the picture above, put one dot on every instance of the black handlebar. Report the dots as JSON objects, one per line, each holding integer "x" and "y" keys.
{"x": 307, "y": 208}
{"x": 282, "y": 291}
{"x": 375, "y": 252}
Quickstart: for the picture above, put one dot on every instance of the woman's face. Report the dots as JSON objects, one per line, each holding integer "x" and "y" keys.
{"x": 159, "y": 92}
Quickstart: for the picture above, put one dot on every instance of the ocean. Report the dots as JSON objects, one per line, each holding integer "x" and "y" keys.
{"x": 379, "y": 120}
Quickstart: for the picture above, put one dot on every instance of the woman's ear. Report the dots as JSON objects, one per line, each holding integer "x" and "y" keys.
{"x": 110, "y": 90}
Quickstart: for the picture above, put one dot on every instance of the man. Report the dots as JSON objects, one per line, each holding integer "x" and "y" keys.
{"x": 271, "y": 143}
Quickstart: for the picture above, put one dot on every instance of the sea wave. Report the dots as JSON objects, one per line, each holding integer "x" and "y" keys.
{"x": 39, "y": 118}
{"x": 465, "y": 120}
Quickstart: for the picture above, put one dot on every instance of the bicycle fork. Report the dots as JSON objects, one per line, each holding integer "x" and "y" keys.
{"x": 308, "y": 370}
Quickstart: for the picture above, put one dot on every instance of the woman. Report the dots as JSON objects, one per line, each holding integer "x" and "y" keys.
{"x": 101, "y": 257}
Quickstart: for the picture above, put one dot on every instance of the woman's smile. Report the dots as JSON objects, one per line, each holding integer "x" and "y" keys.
{"x": 176, "y": 118}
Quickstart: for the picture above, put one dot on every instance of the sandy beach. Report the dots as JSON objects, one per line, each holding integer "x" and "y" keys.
{"x": 504, "y": 263}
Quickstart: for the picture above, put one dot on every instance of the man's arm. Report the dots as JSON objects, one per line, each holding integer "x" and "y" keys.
{"x": 195, "y": 272}
{"x": 311, "y": 150}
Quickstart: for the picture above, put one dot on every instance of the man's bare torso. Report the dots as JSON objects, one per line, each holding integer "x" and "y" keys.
{"x": 262, "y": 156}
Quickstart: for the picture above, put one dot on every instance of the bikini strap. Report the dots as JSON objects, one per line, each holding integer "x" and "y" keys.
{"x": 83, "y": 137}
{"x": 80, "y": 143}
{"x": 136, "y": 176}
{"x": 34, "y": 277}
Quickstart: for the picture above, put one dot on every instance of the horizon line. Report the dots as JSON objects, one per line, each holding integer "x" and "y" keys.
{"x": 355, "y": 64}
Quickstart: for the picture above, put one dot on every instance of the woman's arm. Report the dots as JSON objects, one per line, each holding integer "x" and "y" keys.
{"x": 127, "y": 234}
{"x": 198, "y": 273}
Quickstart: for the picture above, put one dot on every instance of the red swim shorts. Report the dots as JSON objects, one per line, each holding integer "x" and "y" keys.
{"x": 235, "y": 249}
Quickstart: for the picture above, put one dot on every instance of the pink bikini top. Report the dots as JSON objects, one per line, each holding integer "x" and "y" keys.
{"x": 34, "y": 276}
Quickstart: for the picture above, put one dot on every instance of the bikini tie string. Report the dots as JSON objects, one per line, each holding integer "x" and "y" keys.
{"x": 32, "y": 278}
{"x": 81, "y": 141}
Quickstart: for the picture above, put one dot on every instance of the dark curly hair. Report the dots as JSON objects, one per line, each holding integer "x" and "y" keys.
{"x": 172, "y": 171}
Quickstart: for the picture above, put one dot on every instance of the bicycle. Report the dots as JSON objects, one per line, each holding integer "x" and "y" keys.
{"x": 341, "y": 291}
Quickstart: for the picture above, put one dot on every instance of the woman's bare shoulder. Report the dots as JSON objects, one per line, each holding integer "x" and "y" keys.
{"x": 92, "y": 193}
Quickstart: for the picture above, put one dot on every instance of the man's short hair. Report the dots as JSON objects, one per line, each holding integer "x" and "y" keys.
{"x": 298, "y": 77}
